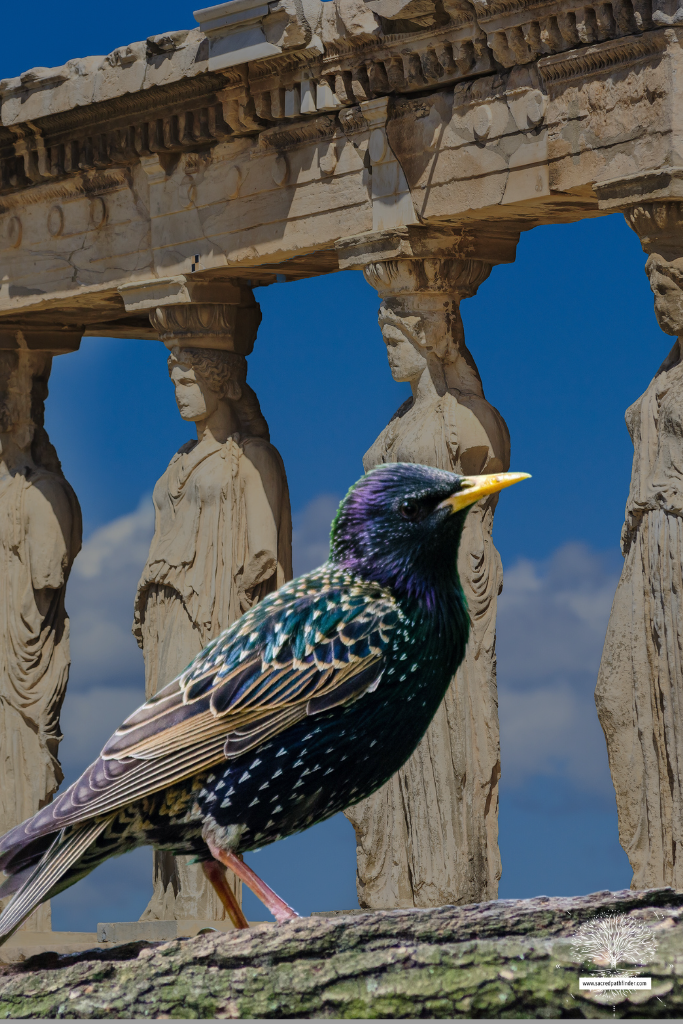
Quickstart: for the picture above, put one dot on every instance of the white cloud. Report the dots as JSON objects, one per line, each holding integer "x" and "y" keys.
{"x": 552, "y": 618}
{"x": 552, "y": 615}
{"x": 124, "y": 541}
{"x": 107, "y": 678}
{"x": 100, "y": 598}
{"x": 311, "y": 533}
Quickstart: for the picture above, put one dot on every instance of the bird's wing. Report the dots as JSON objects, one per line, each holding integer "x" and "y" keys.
{"x": 283, "y": 661}
{"x": 302, "y": 651}
{"x": 294, "y": 658}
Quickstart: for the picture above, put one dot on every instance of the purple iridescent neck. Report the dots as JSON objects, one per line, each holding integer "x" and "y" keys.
{"x": 370, "y": 541}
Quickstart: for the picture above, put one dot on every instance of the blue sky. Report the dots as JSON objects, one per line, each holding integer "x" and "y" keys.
{"x": 565, "y": 339}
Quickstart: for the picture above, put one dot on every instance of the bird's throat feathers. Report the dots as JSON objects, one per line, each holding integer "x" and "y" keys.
{"x": 418, "y": 566}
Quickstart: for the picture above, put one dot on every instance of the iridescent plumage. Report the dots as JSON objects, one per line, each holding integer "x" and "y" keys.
{"x": 307, "y": 704}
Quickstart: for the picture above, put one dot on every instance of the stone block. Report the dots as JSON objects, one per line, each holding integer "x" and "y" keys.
{"x": 159, "y": 931}
{"x": 134, "y": 931}
{"x": 23, "y": 944}
{"x": 235, "y": 33}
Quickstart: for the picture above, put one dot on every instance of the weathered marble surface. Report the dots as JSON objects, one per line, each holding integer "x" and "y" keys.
{"x": 640, "y": 684}
{"x": 430, "y": 835}
{"x": 40, "y": 535}
{"x": 222, "y": 537}
{"x": 148, "y": 165}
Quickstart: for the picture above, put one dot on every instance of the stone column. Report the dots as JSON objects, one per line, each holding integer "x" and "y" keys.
{"x": 222, "y": 538}
{"x": 430, "y": 836}
{"x": 639, "y": 694}
{"x": 40, "y": 535}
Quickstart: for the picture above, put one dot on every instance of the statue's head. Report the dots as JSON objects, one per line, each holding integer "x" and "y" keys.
{"x": 666, "y": 282}
{"x": 203, "y": 378}
{"x": 420, "y": 316}
{"x": 659, "y": 225}
{"x": 406, "y": 340}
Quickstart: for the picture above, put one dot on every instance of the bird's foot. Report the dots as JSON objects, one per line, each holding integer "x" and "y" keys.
{"x": 280, "y": 910}
{"x": 215, "y": 873}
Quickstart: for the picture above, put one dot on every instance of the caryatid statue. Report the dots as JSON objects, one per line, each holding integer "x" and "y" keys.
{"x": 222, "y": 536}
{"x": 639, "y": 695}
{"x": 40, "y": 535}
{"x": 430, "y": 836}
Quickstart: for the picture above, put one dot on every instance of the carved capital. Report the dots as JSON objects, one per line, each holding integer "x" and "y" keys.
{"x": 208, "y": 325}
{"x": 659, "y": 226}
{"x": 452, "y": 279}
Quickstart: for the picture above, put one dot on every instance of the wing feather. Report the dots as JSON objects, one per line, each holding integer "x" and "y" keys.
{"x": 245, "y": 690}
{"x": 261, "y": 676}
{"x": 62, "y": 854}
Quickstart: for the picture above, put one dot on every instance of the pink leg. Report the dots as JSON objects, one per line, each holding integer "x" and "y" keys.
{"x": 215, "y": 873}
{"x": 278, "y": 908}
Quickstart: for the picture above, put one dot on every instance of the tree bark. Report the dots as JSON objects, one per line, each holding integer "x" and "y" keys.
{"x": 509, "y": 958}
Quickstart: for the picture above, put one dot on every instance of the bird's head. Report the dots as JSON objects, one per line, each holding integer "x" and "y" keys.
{"x": 400, "y": 526}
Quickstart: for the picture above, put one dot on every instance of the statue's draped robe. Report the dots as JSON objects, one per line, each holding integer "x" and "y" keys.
{"x": 211, "y": 506}
{"x": 40, "y": 535}
{"x": 640, "y": 685}
{"x": 430, "y": 836}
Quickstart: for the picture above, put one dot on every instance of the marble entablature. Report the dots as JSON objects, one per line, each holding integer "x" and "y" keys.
{"x": 169, "y": 157}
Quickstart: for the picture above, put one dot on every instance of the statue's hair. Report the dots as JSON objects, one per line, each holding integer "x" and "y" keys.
{"x": 447, "y": 346}
{"x": 226, "y": 374}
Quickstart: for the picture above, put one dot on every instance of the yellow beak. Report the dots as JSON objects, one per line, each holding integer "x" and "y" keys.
{"x": 476, "y": 487}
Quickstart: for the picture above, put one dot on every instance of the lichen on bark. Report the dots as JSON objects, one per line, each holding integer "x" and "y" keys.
{"x": 507, "y": 958}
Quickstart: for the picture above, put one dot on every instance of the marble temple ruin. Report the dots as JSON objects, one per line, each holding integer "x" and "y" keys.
{"x": 146, "y": 193}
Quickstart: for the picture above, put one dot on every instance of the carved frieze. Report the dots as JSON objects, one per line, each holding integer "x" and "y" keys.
{"x": 168, "y": 95}
{"x": 521, "y": 31}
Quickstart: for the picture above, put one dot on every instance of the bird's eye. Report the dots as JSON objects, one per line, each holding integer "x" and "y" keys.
{"x": 409, "y": 509}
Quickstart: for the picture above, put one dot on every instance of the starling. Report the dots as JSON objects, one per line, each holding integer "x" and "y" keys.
{"x": 306, "y": 705}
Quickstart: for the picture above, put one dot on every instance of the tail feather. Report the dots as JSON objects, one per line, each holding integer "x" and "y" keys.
{"x": 14, "y": 882}
{"x": 62, "y": 854}
{"x": 26, "y": 854}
